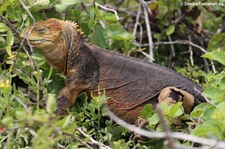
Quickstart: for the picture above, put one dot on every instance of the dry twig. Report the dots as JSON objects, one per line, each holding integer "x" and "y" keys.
{"x": 79, "y": 140}
{"x": 99, "y": 144}
{"x": 175, "y": 135}
{"x": 170, "y": 143}
{"x": 24, "y": 106}
{"x": 137, "y": 23}
{"x": 172, "y": 52}
{"x": 10, "y": 26}
{"x": 180, "y": 42}
{"x": 108, "y": 9}
{"x": 31, "y": 131}
{"x": 27, "y": 10}
{"x": 190, "y": 51}
{"x": 149, "y": 33}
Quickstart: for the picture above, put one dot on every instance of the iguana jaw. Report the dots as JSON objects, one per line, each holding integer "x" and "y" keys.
{"x": 39, "y": 42}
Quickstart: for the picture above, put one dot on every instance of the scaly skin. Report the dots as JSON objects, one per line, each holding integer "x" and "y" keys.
{"x": 129, "y": 83}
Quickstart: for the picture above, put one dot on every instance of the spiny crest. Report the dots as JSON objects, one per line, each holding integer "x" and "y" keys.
{"x": 76, "y": 26}
{"x": 51, "y": 23}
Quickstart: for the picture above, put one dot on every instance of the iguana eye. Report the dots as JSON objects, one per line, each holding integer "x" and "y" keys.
{"x": 41, "y": 30}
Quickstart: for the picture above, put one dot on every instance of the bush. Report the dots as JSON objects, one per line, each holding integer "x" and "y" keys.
{"x": 184, "y": 37}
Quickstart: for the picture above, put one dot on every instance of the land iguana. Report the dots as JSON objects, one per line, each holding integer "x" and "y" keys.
{"x": 130, "y": 83}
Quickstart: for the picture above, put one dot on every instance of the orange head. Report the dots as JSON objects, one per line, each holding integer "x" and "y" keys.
{"x": 54, "y": 38}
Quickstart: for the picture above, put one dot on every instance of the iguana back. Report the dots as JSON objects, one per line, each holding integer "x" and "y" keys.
{"x": 131, "y": 83}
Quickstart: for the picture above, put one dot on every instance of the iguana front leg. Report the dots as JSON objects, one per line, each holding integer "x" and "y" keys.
{"x": 173, "y": 95}
{"x": 66, "y": 98}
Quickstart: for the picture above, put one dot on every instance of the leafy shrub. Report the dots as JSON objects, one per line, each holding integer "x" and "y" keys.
{"x": 26, "y": 79}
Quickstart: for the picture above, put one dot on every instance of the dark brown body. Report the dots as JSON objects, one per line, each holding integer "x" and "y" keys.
{"x": 131, "y": 83}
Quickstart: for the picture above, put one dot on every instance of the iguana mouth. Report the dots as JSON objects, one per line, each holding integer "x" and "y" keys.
{"x": 38, "y": 41}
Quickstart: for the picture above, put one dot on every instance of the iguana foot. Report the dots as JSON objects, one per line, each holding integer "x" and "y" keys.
{"x": 173, "y": 95}
{"x": 62, "y": 105}
{"x": 42, "y": 104}
{"x": 141, "y": 123}
{"x": 61, "y": 112}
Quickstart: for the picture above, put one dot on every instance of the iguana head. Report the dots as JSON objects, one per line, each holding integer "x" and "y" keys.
{"x": 54, "y": 38}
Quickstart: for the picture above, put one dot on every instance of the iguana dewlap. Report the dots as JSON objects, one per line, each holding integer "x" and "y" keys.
{"x": 130, "y": 83}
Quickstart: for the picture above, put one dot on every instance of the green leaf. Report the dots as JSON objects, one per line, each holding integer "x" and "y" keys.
{"x": 162, "y": 7}
{"x": 2, "y": 40}
{"x": 3, "y": 43}
{"x": 9, "y": 38}
{"x": 219, "y": 114}
{"x": 3, "y": 27}
{"x": 176, "y": 110}
{"x": 116, "y": 31}
{"x": 40, "y": 59}
{"x": 9, "y": 42}
{"x": 222, "y": 83}
{"x": 65, "y": 4}
{"x": 40, "y": 116}
{"x": 66, "y": 121}
{"x": 117, "y": 144}
{"x": 109, "y": 17}
{"x": 117, "y": 131}
{"x": 215, "y": 55}
{"x": 9, "y": 52}
{"x": 99, "y": 36}
{"x": 208, "y": 128}
{"x": 165, "y": 107}
{"x": 153, "y": 120}
{"x": 214, "y": 93}
{"x": 198, "y": 110}
{"x": 51, "y": 103}
{"x": 170, "y": 30}
{"x": 41, "y": 3}
{"x": 20, "y": 115}
{"x": 7, "y": 121}
{"x": 157, "y": 36}
{"x": 217, "y": 42}
{"x": 147, "y": 111}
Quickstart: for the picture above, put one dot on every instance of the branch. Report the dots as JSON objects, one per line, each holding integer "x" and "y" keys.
{"x": 164, "y": 127}
{"x": 137, "y": 21}
{"x": 190, "y": 51}
{"x": 27, "y": 10}
{"x": 79, "y": 140}
{"x": 99, "y": 144}
{"x": 172, "y": 52}
{"x": 13, "y": 29}
{"x": 31, "y": 131}
{"x": 108, "y": 9}
{"x": 182, "y": 42}
{"x": 176, "y": 135}
{"x": 126, "y": 11}
{"x": 189, "y": 43}
{"x": 221, "y": 28}
{"x": 179, "y": 42}
{"x": 175, "y": 42}
{"x": 24, "y": 106}
{"x": 149, "y": 33}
